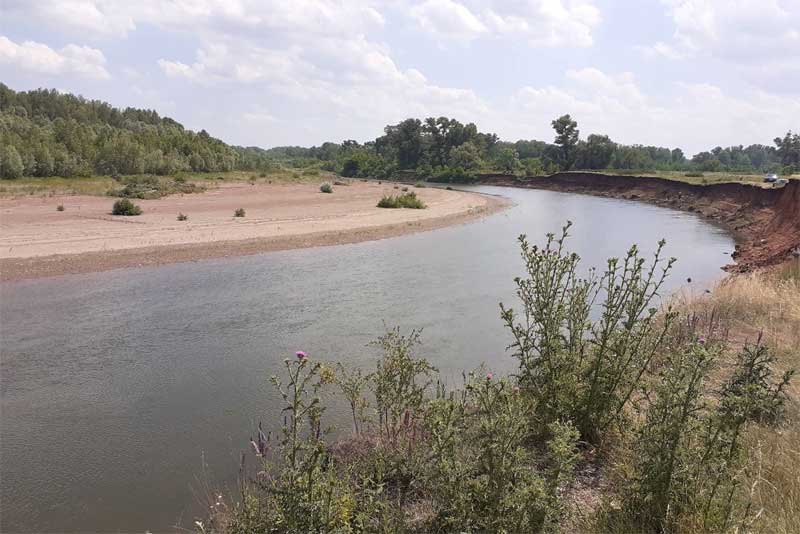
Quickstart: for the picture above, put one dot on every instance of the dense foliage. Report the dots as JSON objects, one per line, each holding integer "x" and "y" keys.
{"x": 47, "y": 133}
{"x": 445, "y": 150}
{"x": 501, "y": 454}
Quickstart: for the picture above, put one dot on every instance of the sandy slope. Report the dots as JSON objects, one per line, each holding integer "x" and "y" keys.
{"x": 37, "y": 240}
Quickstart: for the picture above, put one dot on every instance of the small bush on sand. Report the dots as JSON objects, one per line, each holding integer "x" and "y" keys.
{"x": 419, "y": 184}
{"x": 125, "y": 207}
{"x": 60, "y": 207}
{"x": 182, "y": 217}
{"x": 694, "y": 174}
{"x": 239, "y": 212}
{"x": 326, "y": 188}
{"x": 406, "y": 200}
{"x": 149, "y": 187}
{"x": 339, "y": 182}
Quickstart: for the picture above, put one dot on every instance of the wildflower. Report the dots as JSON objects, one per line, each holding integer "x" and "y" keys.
{"x": 489, "y": 376}
{"x": 701, "y": 340}
{"x": 300, "y": 355}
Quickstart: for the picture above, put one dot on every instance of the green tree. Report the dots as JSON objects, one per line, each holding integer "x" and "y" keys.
{"x": 789, "y": 149}
{"x": 508, "y": 160}
{"x": 596, "y": 152}
{"x": 466, "y": 156}
{"x": 10, "y": 163}
{"x": 567, "y": 139}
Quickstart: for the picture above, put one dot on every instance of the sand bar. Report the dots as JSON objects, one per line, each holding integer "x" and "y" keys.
{"x": 36, "y": 240}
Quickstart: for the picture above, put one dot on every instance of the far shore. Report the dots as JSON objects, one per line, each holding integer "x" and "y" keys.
{"x": 37, "y": 240}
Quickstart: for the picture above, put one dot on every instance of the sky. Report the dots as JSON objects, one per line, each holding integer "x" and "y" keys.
{"x": 692, "y": 74}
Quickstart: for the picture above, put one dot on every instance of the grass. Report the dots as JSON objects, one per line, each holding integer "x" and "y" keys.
{"x": 699, "y": 178}
{"x": 744, "y": 306}
{"x": 768, "y": 304}
{"x": 326, "y": 188}
{"x": 183, "y": 217}
{"x": 239, "y": 212}
{"x": 101, "y": 185}
{"x": 149, "y": 187}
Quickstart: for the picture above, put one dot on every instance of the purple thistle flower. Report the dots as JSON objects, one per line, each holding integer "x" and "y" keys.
{"x": 300, "y": 355}
{"x": 701, "y": 340}
{"x": 489, "y": 376}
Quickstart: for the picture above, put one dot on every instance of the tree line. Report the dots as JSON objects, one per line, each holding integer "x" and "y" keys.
{"x": 47, "y": 133}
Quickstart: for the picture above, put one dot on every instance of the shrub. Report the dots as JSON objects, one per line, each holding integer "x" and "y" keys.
{"x": 406, "y": 200}
{"x": 125, "y": 207}
{"x": 689, "y": 453}
{"x": 419, "y": 184}
{"x": 60, "y": 207}
{"x": 326, "y": 188}
{"x": 149, "y": 187}
{"x": 339, "y": 182}
{"x": 449, "y": 188}
{"x": 239, "y": 212}
{"x": 182, "y": 217}
{"x": 577, "y": 370}
{"x": 404, "y": 189}
{"x": 498, "y": 454}
{"x": 693, "y": 174}
{"x": 452, "y": 175}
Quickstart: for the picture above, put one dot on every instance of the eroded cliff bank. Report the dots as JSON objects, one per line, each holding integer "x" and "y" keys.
{"x": 764, "y": 221}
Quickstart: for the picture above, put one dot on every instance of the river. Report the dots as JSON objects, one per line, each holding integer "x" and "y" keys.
{"x": 127, "y": 394}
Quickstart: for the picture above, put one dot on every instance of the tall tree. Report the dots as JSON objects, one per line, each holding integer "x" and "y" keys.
{"x": 789, "y": 149}
{"x": 567, "y": 139}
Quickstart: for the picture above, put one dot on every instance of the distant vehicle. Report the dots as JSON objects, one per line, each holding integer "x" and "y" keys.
{"x": 770, "y": 178}
{"x": 781, "y": 181}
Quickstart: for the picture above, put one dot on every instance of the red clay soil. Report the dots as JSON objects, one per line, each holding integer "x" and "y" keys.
{"x": 765, "y": 222}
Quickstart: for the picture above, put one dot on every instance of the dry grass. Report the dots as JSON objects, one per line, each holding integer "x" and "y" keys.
{"x": 705, "y": 179}
{"x": 90, "y": 185}
{"x": 744, "y": 306}
{"x": 770, "y": 304}
{"x": 100, "y": 185}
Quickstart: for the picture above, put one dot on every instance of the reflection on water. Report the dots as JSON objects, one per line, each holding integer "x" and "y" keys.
{"x": 117, "y": 386}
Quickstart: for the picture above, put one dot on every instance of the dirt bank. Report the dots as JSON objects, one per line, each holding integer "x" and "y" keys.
{"x": 36, "y": 240}
{"x": 764, "y": 221}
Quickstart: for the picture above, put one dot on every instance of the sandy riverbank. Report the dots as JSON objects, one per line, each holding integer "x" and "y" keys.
{"x": 36, "y": 240}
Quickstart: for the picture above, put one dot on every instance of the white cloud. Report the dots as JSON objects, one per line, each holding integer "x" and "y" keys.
{"x": 447, "y": 19}
{"x": 87, "y": 17}
{"x": 693, "y": 116}
{"x": 661, "y": 49}
{"x": 540, "y": 23}
{"x": 40, "y": 58}
{"x": 116, "y": 18}
{"x": 745, "y": 31}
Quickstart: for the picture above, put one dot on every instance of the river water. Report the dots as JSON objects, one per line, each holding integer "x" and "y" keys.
{"x": 126, "y": 394}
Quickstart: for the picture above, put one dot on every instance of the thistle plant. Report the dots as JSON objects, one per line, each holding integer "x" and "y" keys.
{"x": 577, "y": 369}
{"x": 399, "y": 383}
